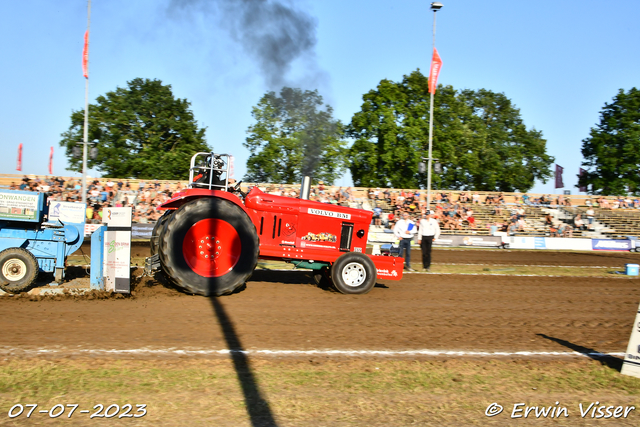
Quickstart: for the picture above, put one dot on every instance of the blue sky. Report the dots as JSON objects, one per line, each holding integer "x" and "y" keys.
{"x": 559, "y": 63}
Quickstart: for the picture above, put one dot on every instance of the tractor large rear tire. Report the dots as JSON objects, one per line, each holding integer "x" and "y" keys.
{"x": 157, "y": 231}
{"x": 18, "y": 270}
{"x": 209, "y": 247}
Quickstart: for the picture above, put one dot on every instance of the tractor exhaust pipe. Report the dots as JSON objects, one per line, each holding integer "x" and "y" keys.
{"x": 305, "y": 188}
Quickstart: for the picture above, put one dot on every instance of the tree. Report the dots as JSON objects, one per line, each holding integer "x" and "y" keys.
{"x": 142, "y": 131}
{"x": 479, "y": 138}
{"x": 294, "y": 136}
{"x": 612, "y": 151}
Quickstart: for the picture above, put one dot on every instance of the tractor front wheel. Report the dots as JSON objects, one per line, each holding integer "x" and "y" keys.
{"x": 18, "y": 270}
{"x": 353, "y": 273}
{"x": 208, "y": 247}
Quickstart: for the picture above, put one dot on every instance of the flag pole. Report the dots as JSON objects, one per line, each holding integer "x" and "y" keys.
{"x": 86, "y": 109}
{"x": 435, "y": 6}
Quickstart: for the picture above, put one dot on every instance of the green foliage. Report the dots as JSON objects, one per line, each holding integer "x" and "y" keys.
{"x": 479, "y": 138}
{"x": 612, "y": 151}
{"x": 293, "y": 137}
{"x": 142, "y": 132}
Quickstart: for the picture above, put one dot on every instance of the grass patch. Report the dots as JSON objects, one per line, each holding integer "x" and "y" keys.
{"x": 313, "y": 392}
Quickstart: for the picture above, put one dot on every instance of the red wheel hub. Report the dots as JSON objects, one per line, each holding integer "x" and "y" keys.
{"x": 211, "y": 247}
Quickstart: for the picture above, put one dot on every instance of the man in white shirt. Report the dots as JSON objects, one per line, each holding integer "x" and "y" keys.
{"x": 404, "y": 230}
{"x": 428, "y": 231}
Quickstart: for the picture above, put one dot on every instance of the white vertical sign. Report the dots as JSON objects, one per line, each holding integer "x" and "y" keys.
{"x": 631, "y": 364}
{"x": 117, "y": 249}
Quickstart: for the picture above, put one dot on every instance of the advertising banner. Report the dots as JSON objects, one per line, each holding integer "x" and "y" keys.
{"x": 456, "y": 240}
{"x": 539, "y": 243}
{"x": 67, "y": 212}
{"x": 117, "y": 249}
{"x": 522, "y": 242}
{"x": 142, "y": 231}
{"x": 20, "y": 205}
{"x": 612, "y": 245}
{"x": 568, "y": 243}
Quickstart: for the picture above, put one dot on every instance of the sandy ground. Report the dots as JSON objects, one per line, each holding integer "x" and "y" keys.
{"x": 284, "y": 310}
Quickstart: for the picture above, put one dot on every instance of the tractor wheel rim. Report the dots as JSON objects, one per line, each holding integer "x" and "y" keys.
{"x": 14, "y": 270}
{"x": 354, "y": 274}
{"x": 211, "y": 247}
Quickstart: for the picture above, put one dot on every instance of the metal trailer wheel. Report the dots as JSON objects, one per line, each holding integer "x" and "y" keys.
{"x": 157, "y": 231}
{"x": 209, "y": 247}
{"x": 18, "y": 270}
{"x": 353, "y": 273}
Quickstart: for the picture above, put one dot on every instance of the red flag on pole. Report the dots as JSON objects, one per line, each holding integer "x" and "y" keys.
{"x": 559, "y": 170}
{"x": 582, "y": 188}
{"x": 51, "y": 162}
{"x": 85, "y": 55}
{"x": 19, "y": 165}
{"x": 436, "y": 64}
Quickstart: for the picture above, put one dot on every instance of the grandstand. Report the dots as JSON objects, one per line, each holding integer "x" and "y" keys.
{"x": 490, "y": 216}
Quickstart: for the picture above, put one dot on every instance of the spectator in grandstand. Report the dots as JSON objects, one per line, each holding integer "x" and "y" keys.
{"x": 471, "y": 220}
{"x": 391, "y": 220}
{"x": 377, "y": 215}
{"x": 565, "y": 230}
{"x": 590, "y": 216}
{"x": 404, "y": 230}
{"x": 548, "y": 220}
{"x": 475, "y": 198}
{"x": 604, "y": 203}
{"x": 579, "y": 223}
{"x": 513, "y": 224}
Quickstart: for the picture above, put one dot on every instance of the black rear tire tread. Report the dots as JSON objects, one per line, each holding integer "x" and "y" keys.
{"x": 170, "y": 247}
{"x": 156, "y": 234}
{"x": 28, "y": 279}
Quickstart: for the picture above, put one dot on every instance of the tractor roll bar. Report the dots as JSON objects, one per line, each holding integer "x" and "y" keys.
{"x": 210, "y": 171}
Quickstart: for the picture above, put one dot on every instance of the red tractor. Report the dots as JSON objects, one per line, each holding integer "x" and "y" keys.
{"x": 210, "y": 238}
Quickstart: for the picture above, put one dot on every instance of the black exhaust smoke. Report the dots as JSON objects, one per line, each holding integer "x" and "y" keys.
{"x": 272, "y": 33}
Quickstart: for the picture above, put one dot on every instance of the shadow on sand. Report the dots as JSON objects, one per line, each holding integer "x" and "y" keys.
{"x": 258, "y": 408}
{"x": 605, "y": 359}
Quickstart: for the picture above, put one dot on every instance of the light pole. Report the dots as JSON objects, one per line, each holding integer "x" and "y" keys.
{"x": 435, "y": 6}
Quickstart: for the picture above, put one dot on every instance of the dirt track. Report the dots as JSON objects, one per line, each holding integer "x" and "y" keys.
{"x": 284, "y": 310}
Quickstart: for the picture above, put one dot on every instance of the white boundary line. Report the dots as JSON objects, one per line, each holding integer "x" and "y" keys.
{"x": 349, "y": 353}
